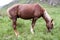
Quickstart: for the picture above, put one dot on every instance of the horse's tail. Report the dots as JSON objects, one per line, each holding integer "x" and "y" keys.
{"x": 8, "y": 14}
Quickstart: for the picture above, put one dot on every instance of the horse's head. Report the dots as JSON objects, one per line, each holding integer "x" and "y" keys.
{"x": 48, "y": 19}
{"x": 50, "y": 25}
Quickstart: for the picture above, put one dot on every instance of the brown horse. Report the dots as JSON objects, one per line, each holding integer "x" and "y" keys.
{"x": 29, "y": 11}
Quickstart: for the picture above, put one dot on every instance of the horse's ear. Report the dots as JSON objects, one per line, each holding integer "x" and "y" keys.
{"x": 52, "y": 20}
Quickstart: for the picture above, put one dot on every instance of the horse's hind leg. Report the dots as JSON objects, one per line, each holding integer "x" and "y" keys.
{"x": 14, "y": 26}
{"x": 33, "y": 24}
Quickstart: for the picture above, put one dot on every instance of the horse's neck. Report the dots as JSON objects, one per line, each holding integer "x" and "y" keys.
{"x": 46, "y": 16}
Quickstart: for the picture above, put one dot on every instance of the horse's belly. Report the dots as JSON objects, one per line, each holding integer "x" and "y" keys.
{"x": 26, "y": 15}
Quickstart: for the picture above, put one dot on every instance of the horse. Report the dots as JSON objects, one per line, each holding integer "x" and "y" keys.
{"x": 29, "y": 11}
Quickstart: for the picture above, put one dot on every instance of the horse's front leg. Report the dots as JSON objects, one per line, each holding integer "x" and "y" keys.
{"x": 33, "y": 24}
{"x": 14, "y": 26}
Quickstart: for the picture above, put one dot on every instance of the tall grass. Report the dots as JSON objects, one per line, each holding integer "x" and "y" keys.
{"x": 23, "y": 26}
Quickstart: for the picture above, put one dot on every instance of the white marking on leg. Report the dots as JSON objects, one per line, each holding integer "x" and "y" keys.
{"x": 32, "y": 30}
{"x": 16, "y": 33}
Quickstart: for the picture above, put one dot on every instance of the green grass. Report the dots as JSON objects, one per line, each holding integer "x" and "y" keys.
{"x": 23, "y": 26}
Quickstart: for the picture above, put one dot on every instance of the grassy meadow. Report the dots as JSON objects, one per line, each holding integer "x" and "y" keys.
{"x": 23, "y": 26}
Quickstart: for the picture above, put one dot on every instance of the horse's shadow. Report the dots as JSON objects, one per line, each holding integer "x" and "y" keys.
{"x": 19, "y": 25}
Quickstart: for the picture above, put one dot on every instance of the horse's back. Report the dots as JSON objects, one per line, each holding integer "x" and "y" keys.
{"x": 26, "y": 11}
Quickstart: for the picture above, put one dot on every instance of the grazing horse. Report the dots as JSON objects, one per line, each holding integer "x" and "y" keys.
{"x": 29, "y": 11}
